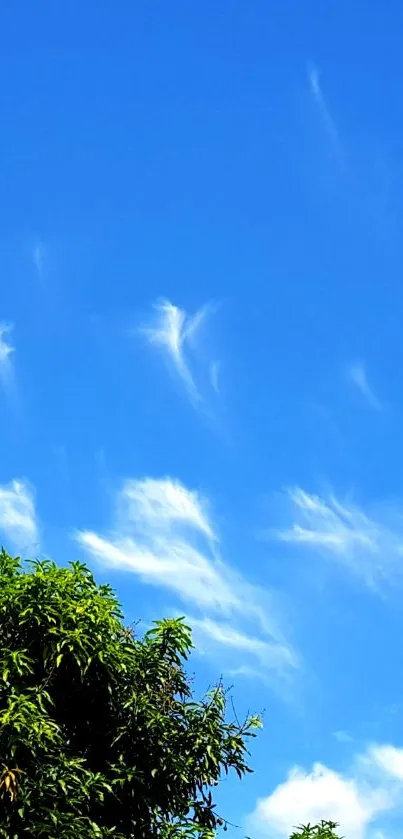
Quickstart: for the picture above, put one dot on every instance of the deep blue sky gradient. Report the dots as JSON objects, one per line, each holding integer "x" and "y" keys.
{"x": 176, "y": 150}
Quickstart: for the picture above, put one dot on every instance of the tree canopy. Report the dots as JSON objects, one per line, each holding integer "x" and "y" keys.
{"x": 322, "y": 830}
{"x": 100, "y": 734}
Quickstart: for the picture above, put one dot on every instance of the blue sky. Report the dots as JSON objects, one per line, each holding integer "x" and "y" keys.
{"x": 201, "y": 354}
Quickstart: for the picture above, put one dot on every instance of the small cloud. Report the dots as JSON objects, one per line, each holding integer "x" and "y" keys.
{"x": 357, "y": 375}
{"x": 174, "y": 331}
{"x": 5, "y": 348}
{"x": 319, "y": 98}
{"x": 368, "y": 546}
{"x": 264, "y": 655}
{"x": 163, "y": 503}
{"x": 163, "y": 533}
{"x": 343, "y": 736}
{"x": 6, "y": 364}
{"x": 38, "y": 256}
{"x": 18, "y": 520}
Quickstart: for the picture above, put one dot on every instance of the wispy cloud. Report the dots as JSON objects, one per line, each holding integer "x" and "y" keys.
{"x": 38, "y": 256}
{"x": 343, "y": 736}
{"x": 6, "y": 364}
{"x": 164, "y": 534}
{"x": 357, "y": 376}
{"x": 161, "y": 504}
{"x": 174, "y": 332}
{"x": 5, "y": 348}
{"x": 319, "y": 98}
{"x": 356, "y": 799}
{"x": 264, "y": 655}
{"x": 18, "y": 520}
{"x": 369, "y": 546}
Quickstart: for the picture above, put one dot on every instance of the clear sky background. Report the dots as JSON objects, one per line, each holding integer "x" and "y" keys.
{"x": 201, "y": 357}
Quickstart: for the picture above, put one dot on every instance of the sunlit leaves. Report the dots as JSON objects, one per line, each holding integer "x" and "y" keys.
{"x": 322, "y": 830}
{"x": 99, "y": 732}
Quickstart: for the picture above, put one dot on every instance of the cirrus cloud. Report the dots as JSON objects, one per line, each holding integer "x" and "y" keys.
{"x": 357, "y": 376}
{"x": 370, "y": 546}
{"x": 164, "y": 534}
{"x": 6, "y": 364}
{"x": 174, "y": 332}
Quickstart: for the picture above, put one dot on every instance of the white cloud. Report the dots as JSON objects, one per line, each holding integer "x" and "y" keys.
{"x": 357, "y": 375}
{"x": 38, "y": 256}
{"x": 318, "y": 95}
{"x": 172, "y": 564}
{"x": 162, "y": 503}
{"x": 368, "y": 546}
{"x": 343, "y": 736}
{"x": 5, "y": 348}
{"x": 322, "y": 793}
{"x": 18, "y": 520}
{"x": 174, "y": 331}
{"x": 6, "y": 351}
{"x": 215, "y": 375}
{"x": 163, "y": 533}
{"x": 389, "y": 759}
{"x": 265, "y": 655}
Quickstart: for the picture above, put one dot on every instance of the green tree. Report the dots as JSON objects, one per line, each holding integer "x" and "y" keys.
{"x": 100, "y": 734}
{"x": 322, "y": 830}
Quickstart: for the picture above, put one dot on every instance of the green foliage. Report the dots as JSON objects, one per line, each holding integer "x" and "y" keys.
{"x": 323, "y": 830}
{"x": 99, "y": 732}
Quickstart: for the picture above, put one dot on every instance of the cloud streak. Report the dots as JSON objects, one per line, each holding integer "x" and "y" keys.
{"x": 164, "y": 534}
{"x": 320, "y": 101}
{"x": 357, "y": 376}
{"x": 263, "y": 655}
{"x": 368, "y": 546}
{"x": 7, "y": 373}
{"x": 18, "y": 520}
{"x": 159, "y": 504}
{"x": 174, "y": 332}
{"x": 38, "y": 257}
